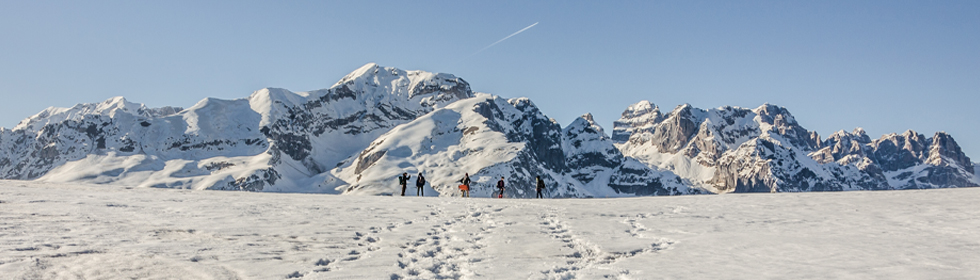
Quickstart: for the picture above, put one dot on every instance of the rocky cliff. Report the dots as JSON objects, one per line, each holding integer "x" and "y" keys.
{"x": 732, "y": 149}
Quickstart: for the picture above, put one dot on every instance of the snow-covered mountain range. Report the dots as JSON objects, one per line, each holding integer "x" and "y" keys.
{"x": 765, "y": 150}
{"x": 358, "y": 135}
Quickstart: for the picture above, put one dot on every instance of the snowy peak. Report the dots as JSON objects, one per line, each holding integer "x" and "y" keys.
{"x": 778, "y": 119}
{"x": 676, "y": 130}
{"x": 586, "y": 122}
{"x": 412, "y": 85}
{"x": 774, "y": 115}
{"x": 859, "y": 132}
{"x": 585, "y": 144}
{"x": 910, "y": 160}
{"x": 542, "y": 134}
{"x": 944, "y": 151}
{"x": 366, "y": 70}
{"x": 219, "y": 119}
{"x": 899, "y": 151}
{"x": 640, "y": 109}
{"x": 595, "y": 163}
{"x": 857, "y": 135}
{"x": 361, "y": 106}
{"x": 697, "y": 133}
{"x": 274, "y": 103}
{"x": 588, "y": 117}
{"x": 641, "y": 116}
{"x": 687, "y": 112}
{"x": 109, "y": 108}
{"x": 842, "y": 144}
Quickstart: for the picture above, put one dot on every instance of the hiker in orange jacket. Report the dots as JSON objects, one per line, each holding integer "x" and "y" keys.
{"x": 465, "y": 187}
{"x": 500, "y": 185}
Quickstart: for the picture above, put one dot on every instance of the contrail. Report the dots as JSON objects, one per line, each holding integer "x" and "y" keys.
{"x": 505, "y": 38}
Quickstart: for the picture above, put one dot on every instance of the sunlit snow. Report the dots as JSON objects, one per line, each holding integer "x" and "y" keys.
{"x": 79, "y": 231}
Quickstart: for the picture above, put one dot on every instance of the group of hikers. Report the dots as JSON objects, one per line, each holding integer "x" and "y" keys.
{"x": 420, "y": 182}
{"x": 464, "y": 186}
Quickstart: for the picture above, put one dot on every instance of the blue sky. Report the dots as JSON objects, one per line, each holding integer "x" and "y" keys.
{"x": 886, "y": 66}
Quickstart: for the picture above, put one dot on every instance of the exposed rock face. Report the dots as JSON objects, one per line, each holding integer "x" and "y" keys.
{"x": 542, "y": 134}
{"x": 731, "y": 149}
{"x": 596, "y": 164}
{"x": 677, "y": 130}
{"x": 842, "y": 144}
{"x": 641, "y": 116}
{"x": 911, "y": 160}
{"x": 943, "y": 151}
{"x": 587, "y": 145}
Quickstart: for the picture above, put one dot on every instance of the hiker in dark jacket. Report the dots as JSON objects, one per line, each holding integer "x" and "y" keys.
{"x": 403, "y": 180}
{"x": 500, "y": 185}
{"x": 540, "y": 186}
{"x": 420, "y": 183}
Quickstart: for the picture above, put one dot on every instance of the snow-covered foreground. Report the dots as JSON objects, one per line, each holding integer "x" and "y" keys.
{"x": 57, "y": 231}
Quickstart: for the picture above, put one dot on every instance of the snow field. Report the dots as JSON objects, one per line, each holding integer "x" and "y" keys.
{"x": 78, "y": 231}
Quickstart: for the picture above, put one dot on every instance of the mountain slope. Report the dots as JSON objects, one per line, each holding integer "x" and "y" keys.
{"x": 487, "y": 137}
{"x": 274, "y": 140}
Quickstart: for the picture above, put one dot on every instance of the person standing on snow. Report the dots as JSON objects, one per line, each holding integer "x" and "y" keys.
{"x": 403, "y": 180}
{"x": 465, "y": 187}
{"x": 500, "y": 185}
{"x": 540, "y": 186}
{"x": 420, "y": 183}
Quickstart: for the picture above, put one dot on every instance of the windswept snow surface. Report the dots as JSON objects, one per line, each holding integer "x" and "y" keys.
{"x": 78, "y": 231}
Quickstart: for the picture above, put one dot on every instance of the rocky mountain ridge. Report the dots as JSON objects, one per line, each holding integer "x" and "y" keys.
{"x": 274, "y": 140}
{"x": 732, "y": 149}
{"x": 377, "y": 122}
